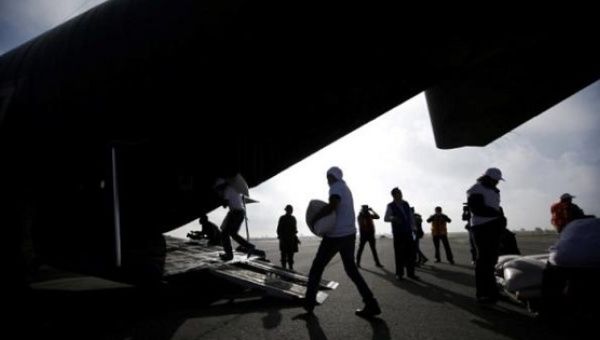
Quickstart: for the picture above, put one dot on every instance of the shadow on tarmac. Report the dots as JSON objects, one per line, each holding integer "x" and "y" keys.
{"x": 381, "y": 330}
{"x": 496, "y": 318}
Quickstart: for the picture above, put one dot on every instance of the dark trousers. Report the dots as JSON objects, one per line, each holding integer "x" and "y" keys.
{"x": 361, "y": 245}
{"x": 287, "y": 257}
{"x": 327, "y": 250}
{"x": 404, "y": 253}
{"x": 472, "y": 247}
{"x": 487, "y": 239}
{"x": 419, "y": 256}
{"x": 231, "y": 225}
{"x": 436, "y": 244}
{"x": 569, "y": 289}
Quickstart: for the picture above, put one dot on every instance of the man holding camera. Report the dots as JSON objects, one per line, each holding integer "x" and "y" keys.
{"x": 367, "y": 233}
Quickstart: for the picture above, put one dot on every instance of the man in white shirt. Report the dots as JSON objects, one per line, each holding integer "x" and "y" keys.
{"x": 487, "y": 223}
{"x": 341, "y": 239}
{"x": 233, "y": 220}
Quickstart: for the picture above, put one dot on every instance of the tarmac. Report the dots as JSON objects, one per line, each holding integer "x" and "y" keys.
{"x": 441, "y": 305}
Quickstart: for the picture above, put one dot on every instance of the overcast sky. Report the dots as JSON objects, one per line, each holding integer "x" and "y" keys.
{"x": 555, "y": 152}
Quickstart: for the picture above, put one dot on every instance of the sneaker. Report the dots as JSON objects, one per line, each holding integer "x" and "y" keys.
{"x": 369, "y": 310}
{"x": 358, "y": 265}
{"x": 425, "y": 261}
{"x": 437, "y": 261}
{"x": 399, "y": 277}
{"x": 226, "y": 257}
{"x": 251, "y": 250}
{"x": 378, "y": 265}
{"x": 451, "y": 261}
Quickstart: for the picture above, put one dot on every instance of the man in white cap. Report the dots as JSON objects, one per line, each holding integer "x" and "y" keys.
{"x": 487, "y": 223}
{"x": 233, "y": 220}
{"x": 565, "y": 211}
{"x": 341, "y": 239}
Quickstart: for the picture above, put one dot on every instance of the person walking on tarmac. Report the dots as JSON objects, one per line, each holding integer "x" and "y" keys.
{"x": 367, "y": 233}
{"x": 288, "y": 240}
{"x": 339, "y": 240}
{"x": 439, "y": 232}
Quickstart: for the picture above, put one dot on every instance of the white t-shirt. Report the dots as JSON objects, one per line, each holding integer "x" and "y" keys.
{"x": 491, "y": 198}
{"x": 234, "y": 199}
{"x": 345, "y": 217}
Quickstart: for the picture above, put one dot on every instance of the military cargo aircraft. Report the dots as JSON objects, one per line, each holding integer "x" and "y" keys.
{"x": 115, "y": 124}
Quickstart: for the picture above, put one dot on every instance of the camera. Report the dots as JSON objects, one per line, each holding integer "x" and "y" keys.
{"x": 466, "y": 215}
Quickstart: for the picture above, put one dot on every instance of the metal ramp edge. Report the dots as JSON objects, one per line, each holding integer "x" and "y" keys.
{"x": 273, "y": 285}
{"x": 296, "y": 277}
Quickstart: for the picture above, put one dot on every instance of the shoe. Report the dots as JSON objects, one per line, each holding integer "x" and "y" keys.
{"x": 399, "y": 277}
{"x": 226, "y": 257}
{"x": 251, "y": 250}
{"x": 309, "y": 306}
{"x": 425, "y": 261}
{"x": 369, "y": 310}
{"x": 378, "y": 265}
{"x": 414, "y": 277}
{"x": 358, "y": 265}
{"x": 451, "y": 261}
{"x": 437, "y": 261}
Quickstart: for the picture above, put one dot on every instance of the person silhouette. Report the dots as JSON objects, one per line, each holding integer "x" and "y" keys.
{"x": 439, "y": 232}
{"x": 341, "y": 240}
{"x": 233, "y": 220}
{"x": 367, "y": 233}
{"x": 288, "y": 240}
{"x": 399, "y": 215}
{"x": 487, "y": 223}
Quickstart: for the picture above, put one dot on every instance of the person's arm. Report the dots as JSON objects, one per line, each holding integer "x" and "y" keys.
{"x": 374, "y": 214}
{"x": 429, "y": 219}
{"x": 413, "y": 222}
{"x": 478, "y": 207}
{"x": 279, "y": 231}
{"x": 294, "y": 226}
{"x": 334, "y": 201}
{"x": 576, "y": 212}
{"x": 389, "y": 217}
{"x": 448, "y": 220}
